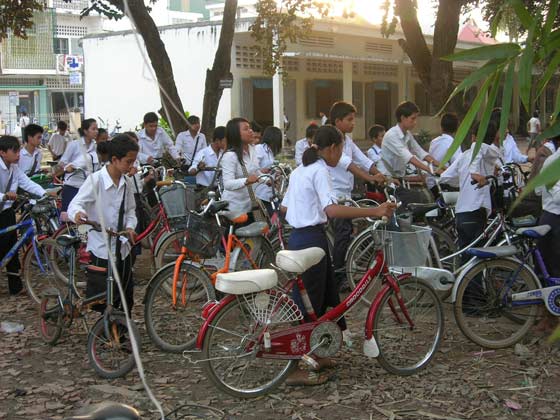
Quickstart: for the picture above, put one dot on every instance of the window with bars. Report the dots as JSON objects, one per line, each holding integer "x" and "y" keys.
{"x": 61, "y": 46}
{"x": 324, "y": 66}
{"x": 71, "y": 31}
{"x": 247, "y": 57}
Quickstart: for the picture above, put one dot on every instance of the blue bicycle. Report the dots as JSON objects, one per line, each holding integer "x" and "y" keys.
{"x": 39, "y": 220}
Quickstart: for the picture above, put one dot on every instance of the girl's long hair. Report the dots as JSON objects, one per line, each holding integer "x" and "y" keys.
{"x": 233, "y": 136}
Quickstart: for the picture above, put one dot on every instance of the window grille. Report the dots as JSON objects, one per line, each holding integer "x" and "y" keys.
{"x": 371, "y": 69}
{"x": 324, "y": 66}
{"x": 247, "y": 57}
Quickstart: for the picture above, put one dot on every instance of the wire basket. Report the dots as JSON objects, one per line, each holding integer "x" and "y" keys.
{"x": 178, "y": 199}
{"x": 202, "y": 236}
{"x": 272, "y": 307}
{"x": 408, "y": 248}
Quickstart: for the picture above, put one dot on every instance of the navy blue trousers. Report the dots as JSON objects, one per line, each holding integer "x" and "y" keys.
{"x": 319, "y": 280}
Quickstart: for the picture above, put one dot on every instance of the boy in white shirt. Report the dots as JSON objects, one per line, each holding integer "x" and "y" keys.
{"x": 304, "y": 144}
{"x": 191, "y": 141}
{"x": 57, "y": 142}
{"x": 534, "y": 128}
{"x": 30, "y": 155}
{"x": 153, "y": 140}
{"x": 108, "y": 195}
{"x": 375, "y": 134}
{"x": 440, "y": 145}
{"x": 209, "y": 157}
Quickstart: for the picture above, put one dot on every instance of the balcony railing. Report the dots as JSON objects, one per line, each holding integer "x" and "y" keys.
{"x": 77, "y": 5}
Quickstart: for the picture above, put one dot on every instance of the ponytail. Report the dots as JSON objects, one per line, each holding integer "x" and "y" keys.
{"x": 325, "y": 136}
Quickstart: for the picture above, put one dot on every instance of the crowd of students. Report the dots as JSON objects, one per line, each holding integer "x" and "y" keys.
{"x": 99, "y": 182}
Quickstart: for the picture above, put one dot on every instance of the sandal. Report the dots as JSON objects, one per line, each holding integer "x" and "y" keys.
{"x": 325, "y": 363}
{"x": 301, "y": 377}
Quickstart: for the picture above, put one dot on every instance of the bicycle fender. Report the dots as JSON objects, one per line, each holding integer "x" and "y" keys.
{"x": 204, "y": 329}
{"x": 477, "y": 261}
{"x": 166, "y": 266}
{"x": 160, "y": 239}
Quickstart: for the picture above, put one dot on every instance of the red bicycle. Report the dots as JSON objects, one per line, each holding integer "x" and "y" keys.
{"x": 254, "y": 337}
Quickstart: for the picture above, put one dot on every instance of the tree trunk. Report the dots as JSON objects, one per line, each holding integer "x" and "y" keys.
{"x": 436, "y": 75}
{"x": 172, "y": 107}
{"x": 220, "y": 69}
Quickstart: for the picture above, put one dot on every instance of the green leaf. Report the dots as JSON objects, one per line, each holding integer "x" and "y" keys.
{"x": 551, "y": 16}
{"x": 488, "y": 52}
{"x": 522, "y": 14}
{"x": 483, "y": 127}
{"x": 465, "y": 126}
{"x": 474, "y": 77}
{"x": 549, "y": 72}
{"x": 506, "y": 99}
{"x": 526, "y": 69}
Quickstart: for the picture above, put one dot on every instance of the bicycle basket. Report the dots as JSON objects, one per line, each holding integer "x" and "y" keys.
{"x": 272, "y": 307}
{"x": 407, "y": 249}
{"x": 174, "y": 200}
{"x": 202, "y": 237}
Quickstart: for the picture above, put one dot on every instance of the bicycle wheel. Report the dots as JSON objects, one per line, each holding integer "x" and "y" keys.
{"x": 60, "y": 262}
{"x": 111, "y": 357}
{"x": 175, "y": 328}
{"x": 483, "y": 308}
{"x": 360, "y": 255}
{"x": 230, "y": 365}
{"x": 51, "y": 319}
{"x": 445, "y": 246}
{"x": 169, "y": 249}
{"x": 261, "y": 252}
{"x": 404, "y": 350}
{"x": 36, "y": 280}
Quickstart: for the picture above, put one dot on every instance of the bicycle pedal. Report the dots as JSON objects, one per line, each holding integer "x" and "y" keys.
{"x": 310, "y": 361}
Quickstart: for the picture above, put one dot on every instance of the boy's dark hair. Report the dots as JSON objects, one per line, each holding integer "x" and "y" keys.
{"x": 31, "y": 130}
{"x": 311, "y": 130}
{"x": 374, "y": 131}
{"x": 340, "y": 110}
{"x": 406, "y": 109}
{"x": 325, "y": 136}
{"x": 256, "y": 127}
{"x": 193, "y": 119}
{"x": 150, "y": 117}
{"x": 491, "y": 132}
{"x": 536, "y": 114}
{"x": 119, "y": 146}
{"x": 449, "y": 122}
{"x": 101, "y": 131}
{"x": 132, "y": 135}
{"x": 61, "y": 125}
{"x": 9, "y": 143}
{"x": 219, "y": 133}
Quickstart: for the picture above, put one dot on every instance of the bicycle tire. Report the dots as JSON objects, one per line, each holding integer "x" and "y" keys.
{"x": 118, "y": 345}
{"x": 163, "y": 255}
{"x": 359, "y": 256}
{"x": 490, "y": 317}
{"x": 233, "y": 315}
{"x": 51, "y": 320}
{"x": 60, "y": 259}
{"x": 424, "y": 301}
{"x": 35, "y": 280}
{"x": 175, "y": 329}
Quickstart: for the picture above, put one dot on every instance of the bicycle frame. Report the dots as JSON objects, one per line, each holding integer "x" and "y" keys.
{"x": 27, "y": 235}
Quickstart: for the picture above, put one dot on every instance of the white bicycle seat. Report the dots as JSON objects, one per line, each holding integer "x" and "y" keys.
{"x": 249, "y": 281}
{"x": 299, "y": 261}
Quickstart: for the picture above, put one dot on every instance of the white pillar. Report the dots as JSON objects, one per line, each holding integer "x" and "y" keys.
{"x": 347, "y": 81}
{"x": 278, "y": 100}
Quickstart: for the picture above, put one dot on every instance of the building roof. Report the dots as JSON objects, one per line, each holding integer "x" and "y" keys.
{"x": 472, "y": 33}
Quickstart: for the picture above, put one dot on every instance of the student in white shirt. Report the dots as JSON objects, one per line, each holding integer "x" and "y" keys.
{"x": 209, "y": 157}
{"x": 440, "y": 145}
{"x": 475, "y": 202}
{"x": 375, "y": 134}
{"x": 324, "y": 119}
{"x": 534, "y": 128}
{"x": 30, "y": 155}
{"x": 23, "y": 121}
{"x": 309, "y": 202}
{"x": 191, "y": 141}
{"x": 511, "y": 151}
{"x": 57, "y": 142}
{"x": 107, "y": 197}
{"x": 11, "y": 177}
{"x": 303, "y": 144}
{"x": 353, "y": 162}
{"x": 240, "y": 167}
{"x": 79, "y": 154}
{"x": 257, "y": 132}
{"x": 270, "y": 145}
{"x": 154, "y": 141}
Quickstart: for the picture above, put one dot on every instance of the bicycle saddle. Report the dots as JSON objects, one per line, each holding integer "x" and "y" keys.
{"x": 254, "y": 229}
{"x": 109, "y": 411}
{"x": 493, "y": 251}
{"x": 299, "y": 261}
{"x": 218, "y": 206}
{"x": 250, "y": 281}
{"x": 534, "y": 232}
{"x": 450, "y": 197}
{"x": 67, "y": 240}
{"x": 420, "y": 209}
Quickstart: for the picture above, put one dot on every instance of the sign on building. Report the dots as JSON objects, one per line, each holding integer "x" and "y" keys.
{"x": 75, "y": 78}
{"x": 14, "y": 98}
{"x": 69, "y": 63}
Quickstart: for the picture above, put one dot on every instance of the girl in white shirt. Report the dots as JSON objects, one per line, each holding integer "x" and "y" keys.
{"x": 270, "y": 145}
{"x": 108, "y": 196}
{"x": 79, "y": 154}
{"x": 308, "y": 203}
{"x": 240, "y": 167}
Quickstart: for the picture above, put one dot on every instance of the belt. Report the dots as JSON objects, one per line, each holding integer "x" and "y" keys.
{"x": 315, "y": 228}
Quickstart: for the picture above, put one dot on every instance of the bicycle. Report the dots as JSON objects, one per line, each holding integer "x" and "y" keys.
{"x": 178, "y": 292}
{"x": 259, "y": 323}
{"x": 58, "y": 311}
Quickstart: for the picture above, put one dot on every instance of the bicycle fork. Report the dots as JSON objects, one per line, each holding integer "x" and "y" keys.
{"x": 371, "y": 349}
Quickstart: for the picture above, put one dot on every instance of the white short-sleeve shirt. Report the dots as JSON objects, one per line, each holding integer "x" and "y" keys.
{"x": 397, "y": 150}
{"x": 210, "y": 159}
{"x": 189, "y": 145}
{"x": 309, "y": 193}
{"x": 28, "y": 161}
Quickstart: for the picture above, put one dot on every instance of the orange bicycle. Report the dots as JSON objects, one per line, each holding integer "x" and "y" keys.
{"x": 178, "y": 292}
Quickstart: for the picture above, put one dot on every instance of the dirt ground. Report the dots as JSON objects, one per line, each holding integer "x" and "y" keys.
{"x": 463, "y": 382}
